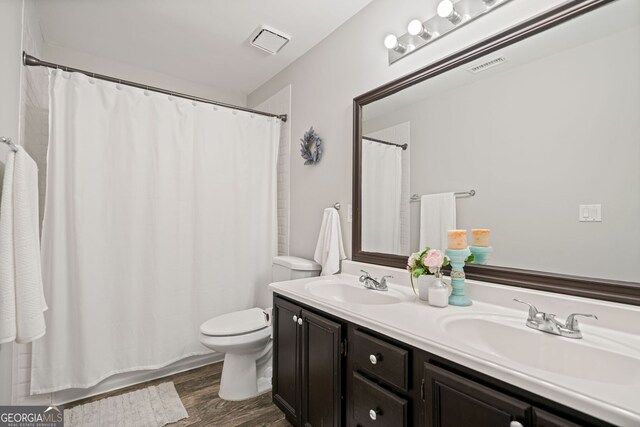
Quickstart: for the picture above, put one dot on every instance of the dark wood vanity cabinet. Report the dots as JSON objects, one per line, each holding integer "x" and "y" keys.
{"x": 307, "y": 365}
{"x": 287, "y": 375}
{"x": 452, "y": 401}
{"x": 329, "y": 372}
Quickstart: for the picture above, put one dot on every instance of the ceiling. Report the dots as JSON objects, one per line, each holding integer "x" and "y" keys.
{"x": 203, "y": 41}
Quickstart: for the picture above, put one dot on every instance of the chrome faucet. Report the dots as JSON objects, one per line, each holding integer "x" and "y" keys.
{"x": 548, "y": 323}
{"x": 371, "y": 283}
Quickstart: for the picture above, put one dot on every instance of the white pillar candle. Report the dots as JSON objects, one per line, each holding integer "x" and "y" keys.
{"x": 457, "y": 239}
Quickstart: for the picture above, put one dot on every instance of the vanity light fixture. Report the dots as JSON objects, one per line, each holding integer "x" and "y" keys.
{"x": 415, "y": 28}
{"x": 447, "y": 10}
{"x": 448, "y": 16}
{"x": 391, "y": 42}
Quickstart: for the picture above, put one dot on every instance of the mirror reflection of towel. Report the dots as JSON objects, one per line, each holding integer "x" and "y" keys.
{"x": 330, "y": 249}
{"x": 437, "y": 216}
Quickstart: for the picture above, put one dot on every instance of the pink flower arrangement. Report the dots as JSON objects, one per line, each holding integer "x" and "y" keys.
{"x": 428, "y": 261}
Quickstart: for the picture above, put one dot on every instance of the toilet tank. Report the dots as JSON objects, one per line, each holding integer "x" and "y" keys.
{"x": 291, "y": 267}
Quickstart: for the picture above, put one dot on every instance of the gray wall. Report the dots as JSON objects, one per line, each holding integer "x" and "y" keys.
{"x": 349, "y": 62}
{"x": 535, "y": 142}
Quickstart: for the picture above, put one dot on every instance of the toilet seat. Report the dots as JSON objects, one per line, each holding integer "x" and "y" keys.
{"x": 235, "y": 323}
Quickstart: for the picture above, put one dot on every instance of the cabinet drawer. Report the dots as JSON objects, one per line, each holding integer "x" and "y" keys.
{"x": 375, "y": 406}
{"x": 385, "y": 361}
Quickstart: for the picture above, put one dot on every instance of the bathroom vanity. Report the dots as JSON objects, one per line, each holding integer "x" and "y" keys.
{"x": 360, "y": 357}
{"x": 501, "y": 124}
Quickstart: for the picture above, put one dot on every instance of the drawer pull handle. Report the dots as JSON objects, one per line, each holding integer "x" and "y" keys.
{"x": 375, "y": 358}
{"x": 299, "y": 320}
{"x": 295, "y": 318}
{"x": 373, "y": 413}
{"x": 515, "y": 424}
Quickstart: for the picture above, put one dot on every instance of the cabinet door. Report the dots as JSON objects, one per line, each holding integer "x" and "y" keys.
{"x": 321, "y": 371}
{"x": 286, "y": 358}
{"x": 545, "y": 419}
{"x": 454, "y": 401}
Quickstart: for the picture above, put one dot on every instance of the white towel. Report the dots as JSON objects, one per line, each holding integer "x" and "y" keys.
{"x": 22, "y": 300}
{"x": 330, "y": 250}
{"x": 437, "y": 215}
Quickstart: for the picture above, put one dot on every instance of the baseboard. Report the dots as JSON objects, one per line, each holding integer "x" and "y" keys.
{"x": 131, "y": 378}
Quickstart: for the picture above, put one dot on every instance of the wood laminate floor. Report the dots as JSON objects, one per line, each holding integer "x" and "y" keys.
{"x": 198, "y": 390}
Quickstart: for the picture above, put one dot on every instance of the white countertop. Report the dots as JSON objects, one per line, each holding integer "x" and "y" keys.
{"x": 614, "y": 397}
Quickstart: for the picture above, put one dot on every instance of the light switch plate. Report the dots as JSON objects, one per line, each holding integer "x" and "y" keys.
{"x": 590, "y": 213}
{"x": 349, "y": 213}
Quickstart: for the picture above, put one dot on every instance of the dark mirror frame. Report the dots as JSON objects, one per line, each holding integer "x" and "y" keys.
{"x": 609, "y": 290}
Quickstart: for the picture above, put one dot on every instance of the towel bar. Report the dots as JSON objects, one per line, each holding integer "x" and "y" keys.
{"x": 10, "y": 143}
{"x": 461, "y": 194}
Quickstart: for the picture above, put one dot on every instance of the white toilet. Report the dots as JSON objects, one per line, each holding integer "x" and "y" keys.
{"x": 245, "y": 337}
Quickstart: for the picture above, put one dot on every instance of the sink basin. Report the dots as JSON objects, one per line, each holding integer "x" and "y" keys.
{"x": 508, "y": 338}
{"x": 348, "y": 293}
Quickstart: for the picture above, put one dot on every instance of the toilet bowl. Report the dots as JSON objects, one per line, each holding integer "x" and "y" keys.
{"x": 245, "y": 337}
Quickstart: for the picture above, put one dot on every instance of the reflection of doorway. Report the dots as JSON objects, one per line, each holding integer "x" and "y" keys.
{"x": 398, "y": 134}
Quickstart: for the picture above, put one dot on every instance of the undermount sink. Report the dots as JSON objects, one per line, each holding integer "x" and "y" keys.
{"x": 348, "y": 293}
{"x": 509, "y": 338}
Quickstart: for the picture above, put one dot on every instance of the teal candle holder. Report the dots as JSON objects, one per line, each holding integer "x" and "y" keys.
{"x": 457, "y": 258}
{"x": 481, "y": 254}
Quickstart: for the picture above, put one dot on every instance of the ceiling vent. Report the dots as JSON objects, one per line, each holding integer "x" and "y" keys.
{"x": 486, "y": 65}
{"x": 269, "y": 39}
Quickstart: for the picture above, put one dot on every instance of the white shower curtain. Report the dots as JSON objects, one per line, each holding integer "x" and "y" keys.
{"x": 381, "y": 197}
{"x": 160, "y": 214}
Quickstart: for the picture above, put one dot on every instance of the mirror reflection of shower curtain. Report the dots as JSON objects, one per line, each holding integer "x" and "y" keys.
{"x": 160, "y": 214}
{"x": 381, "y": 197}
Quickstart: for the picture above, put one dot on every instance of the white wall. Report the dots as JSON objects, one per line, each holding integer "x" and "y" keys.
{"x": 10, "y": 56}
{"x": 84, "y": 61}
{"x": 349, "y": 62}
{"x": 531, "y": 178}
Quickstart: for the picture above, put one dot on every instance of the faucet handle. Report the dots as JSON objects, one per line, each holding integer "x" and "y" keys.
{"x": 533, "y": 311}
{"x": 383, "y": 280}
{"x": 572, "y": 322}
{"x": 365, "y": 276}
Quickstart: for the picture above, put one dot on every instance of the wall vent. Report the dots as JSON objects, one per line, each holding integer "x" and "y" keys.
{"x": 486, "y": 65}
{"x": 269, "y": 39}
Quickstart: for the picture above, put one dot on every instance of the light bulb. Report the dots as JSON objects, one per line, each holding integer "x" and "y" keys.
{"x": 415, "y": 28}
{"x": 391, "y": 41}
{"x": 445, "y": 7}
{"x": 446, "y": 10}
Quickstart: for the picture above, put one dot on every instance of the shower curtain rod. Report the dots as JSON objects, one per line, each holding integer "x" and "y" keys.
{"x": 32, "y": 61}
{"x": 403, "y": 146}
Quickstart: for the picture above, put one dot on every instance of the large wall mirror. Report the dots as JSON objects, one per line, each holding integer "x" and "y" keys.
{"x": 534, "y": 134}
